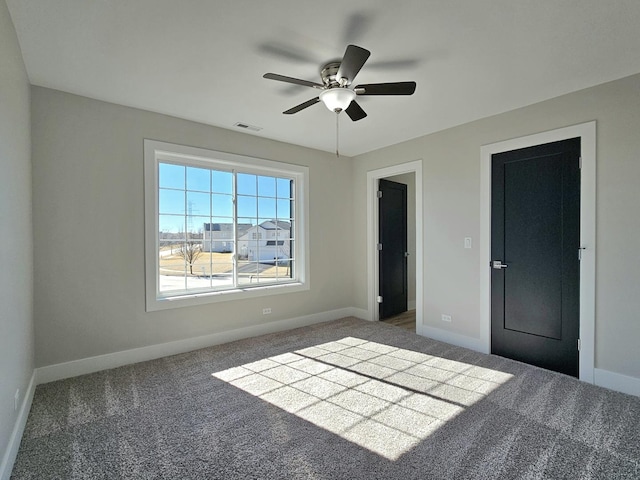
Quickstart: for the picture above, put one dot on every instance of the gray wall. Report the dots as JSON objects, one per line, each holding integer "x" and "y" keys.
{"x": 451, "y": 189}
{"x": 88, "y": 229}
{"x": 16, "y": 253}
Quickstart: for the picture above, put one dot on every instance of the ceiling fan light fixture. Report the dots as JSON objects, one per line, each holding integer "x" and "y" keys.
{"x": 337, "y": 99}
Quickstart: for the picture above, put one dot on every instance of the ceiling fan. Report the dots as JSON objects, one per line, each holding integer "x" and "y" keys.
{"x": 335, "y": 89}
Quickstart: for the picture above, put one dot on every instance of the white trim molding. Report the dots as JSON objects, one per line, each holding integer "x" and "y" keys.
{"x": 157, "y": 153}
{"x": 587, "y": 134}
{"x": 372, "y": 237}
{"x": 453, "y": 338}
{"x": 617, "y": 382}
{"x": 18, "y": 429}
{"x": 83, "y": 366}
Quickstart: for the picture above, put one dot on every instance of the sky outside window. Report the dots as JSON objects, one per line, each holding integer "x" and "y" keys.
{"x": 191, "y": 196}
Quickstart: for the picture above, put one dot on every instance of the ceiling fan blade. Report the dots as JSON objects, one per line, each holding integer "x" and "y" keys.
{"x": 287, "y": 51}
{"x": 355, "y": 111}
{"x": 297, "y": 81}
{"x": 395, "y": 88}
{"x": 353, "y": 60}
{"x": 357, "y": 24}
{"x": 302, "y": 106}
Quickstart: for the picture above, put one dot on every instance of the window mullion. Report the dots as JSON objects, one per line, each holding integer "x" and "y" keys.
{"x": 234, "y": 257}
{"x": 204, "y": 233}
{"x": 184, "y": 243}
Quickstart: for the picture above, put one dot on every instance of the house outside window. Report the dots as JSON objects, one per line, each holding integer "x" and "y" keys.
{"x": 206, "y": 216}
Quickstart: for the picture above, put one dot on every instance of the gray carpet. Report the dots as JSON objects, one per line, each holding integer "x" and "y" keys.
{"x": 342, "y": 400}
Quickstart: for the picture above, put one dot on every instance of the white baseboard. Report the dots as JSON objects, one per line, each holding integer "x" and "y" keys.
{"x": 83, "y": 366}
{"x": 617, "y": 381}
{"x": 360, "y": 313}
{"x": 18, "y": 429}
{"x": 452, "y": 338}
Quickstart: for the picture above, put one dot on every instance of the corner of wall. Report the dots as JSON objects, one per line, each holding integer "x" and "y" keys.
{"x": 16, "y": 435}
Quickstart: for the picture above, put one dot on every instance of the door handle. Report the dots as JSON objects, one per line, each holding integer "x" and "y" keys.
{"x": 498, "y": 265}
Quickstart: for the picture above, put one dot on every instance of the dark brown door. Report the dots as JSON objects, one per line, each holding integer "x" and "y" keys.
{"x": 535, "y": 241}
{"x": 392, "y": 222}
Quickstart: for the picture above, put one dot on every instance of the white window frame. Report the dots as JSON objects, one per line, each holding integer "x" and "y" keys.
{"x": 156, "y": 152}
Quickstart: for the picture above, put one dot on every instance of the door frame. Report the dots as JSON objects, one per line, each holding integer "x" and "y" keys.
{"x": 372, "y": 236}
{"x": 587, "y": 134}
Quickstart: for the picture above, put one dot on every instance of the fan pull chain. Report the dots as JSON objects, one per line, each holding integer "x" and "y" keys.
{"x": 337, "y": 136}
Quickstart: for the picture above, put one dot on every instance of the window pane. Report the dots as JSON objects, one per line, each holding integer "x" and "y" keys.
{"x": 222, "y": 182}
{"x": 198, "y": 179}
{"x": 223, "y": 280}
{"x": 218, "y": 237}
{"x": 202, "y": 266}
{"x": 266, "y": 186}
{"x": 171, "y": 176}
{"x": 214, "y": 269}
{"x": 283, "y": 208}
{"x": 171, "y": 201}
{"x": 283, "y": 271}
{"x": 247, "y": 206}
{"x": 284, "y": 187}
{"x": 198, "y": 204}
{"x": 171, "y": 225}
{"x": 222, "y": 205}
{"x": 172, "y": 268}
{"x": 200, "y": 282}
{"x": 247, "y": 272}
{"x": 246, "y": 184}
{"x": 196, "y": 226}
{"x": 281, "y": 233}
{"x": 171, "y": 282}
{"x": 267, "y": 207}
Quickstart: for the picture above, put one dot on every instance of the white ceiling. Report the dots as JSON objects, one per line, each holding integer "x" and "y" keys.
{"x": 203, "y": 60}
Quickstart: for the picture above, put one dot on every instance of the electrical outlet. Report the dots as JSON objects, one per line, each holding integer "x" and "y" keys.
{"x": 266, "y": 311}
{"x": 446, "y": 318}
{"x": 16, "y": 399}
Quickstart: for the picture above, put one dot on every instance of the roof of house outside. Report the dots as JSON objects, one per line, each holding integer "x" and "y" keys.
{"x": 276, "y": 224}
{"x": 226, "y": 227}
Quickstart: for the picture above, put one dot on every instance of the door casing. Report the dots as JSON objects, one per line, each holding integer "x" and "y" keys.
{"x": 372, "y": 237}
{"x": 587, "y": 134}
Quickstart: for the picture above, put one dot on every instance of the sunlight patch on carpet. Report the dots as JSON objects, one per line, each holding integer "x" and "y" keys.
{"x": 382, "y": 398}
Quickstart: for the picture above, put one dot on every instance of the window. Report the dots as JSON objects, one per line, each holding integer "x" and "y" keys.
{"x": 205, "y": 214}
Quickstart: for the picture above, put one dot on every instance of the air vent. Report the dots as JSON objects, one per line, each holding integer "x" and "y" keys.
{"x": 246, "y": 126}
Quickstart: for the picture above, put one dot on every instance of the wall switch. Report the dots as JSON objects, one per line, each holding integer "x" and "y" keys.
{"x": 467, "y": 242}
{"x": 16, "y": 399}
{"x": 446, "y": 318}
{"x": 266, "y": 311}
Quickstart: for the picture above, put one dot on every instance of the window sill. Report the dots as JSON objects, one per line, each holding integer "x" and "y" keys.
{"x": 193, "y": 299}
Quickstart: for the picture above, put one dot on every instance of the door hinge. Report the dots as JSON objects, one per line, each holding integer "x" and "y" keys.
{"x": 579, "y": 345}
{"x": 379, "y": 247}
{"x": 580, "y": 163}
{"x": 379, "y": 193}
{"x": 379, "y": 299}
{"x": 580, "y": 252}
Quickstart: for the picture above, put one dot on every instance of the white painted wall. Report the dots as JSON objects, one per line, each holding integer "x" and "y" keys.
{"x": 451, "y": 188}
{"x": 16, "y": 239}
{"x": 88, "y": 227}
